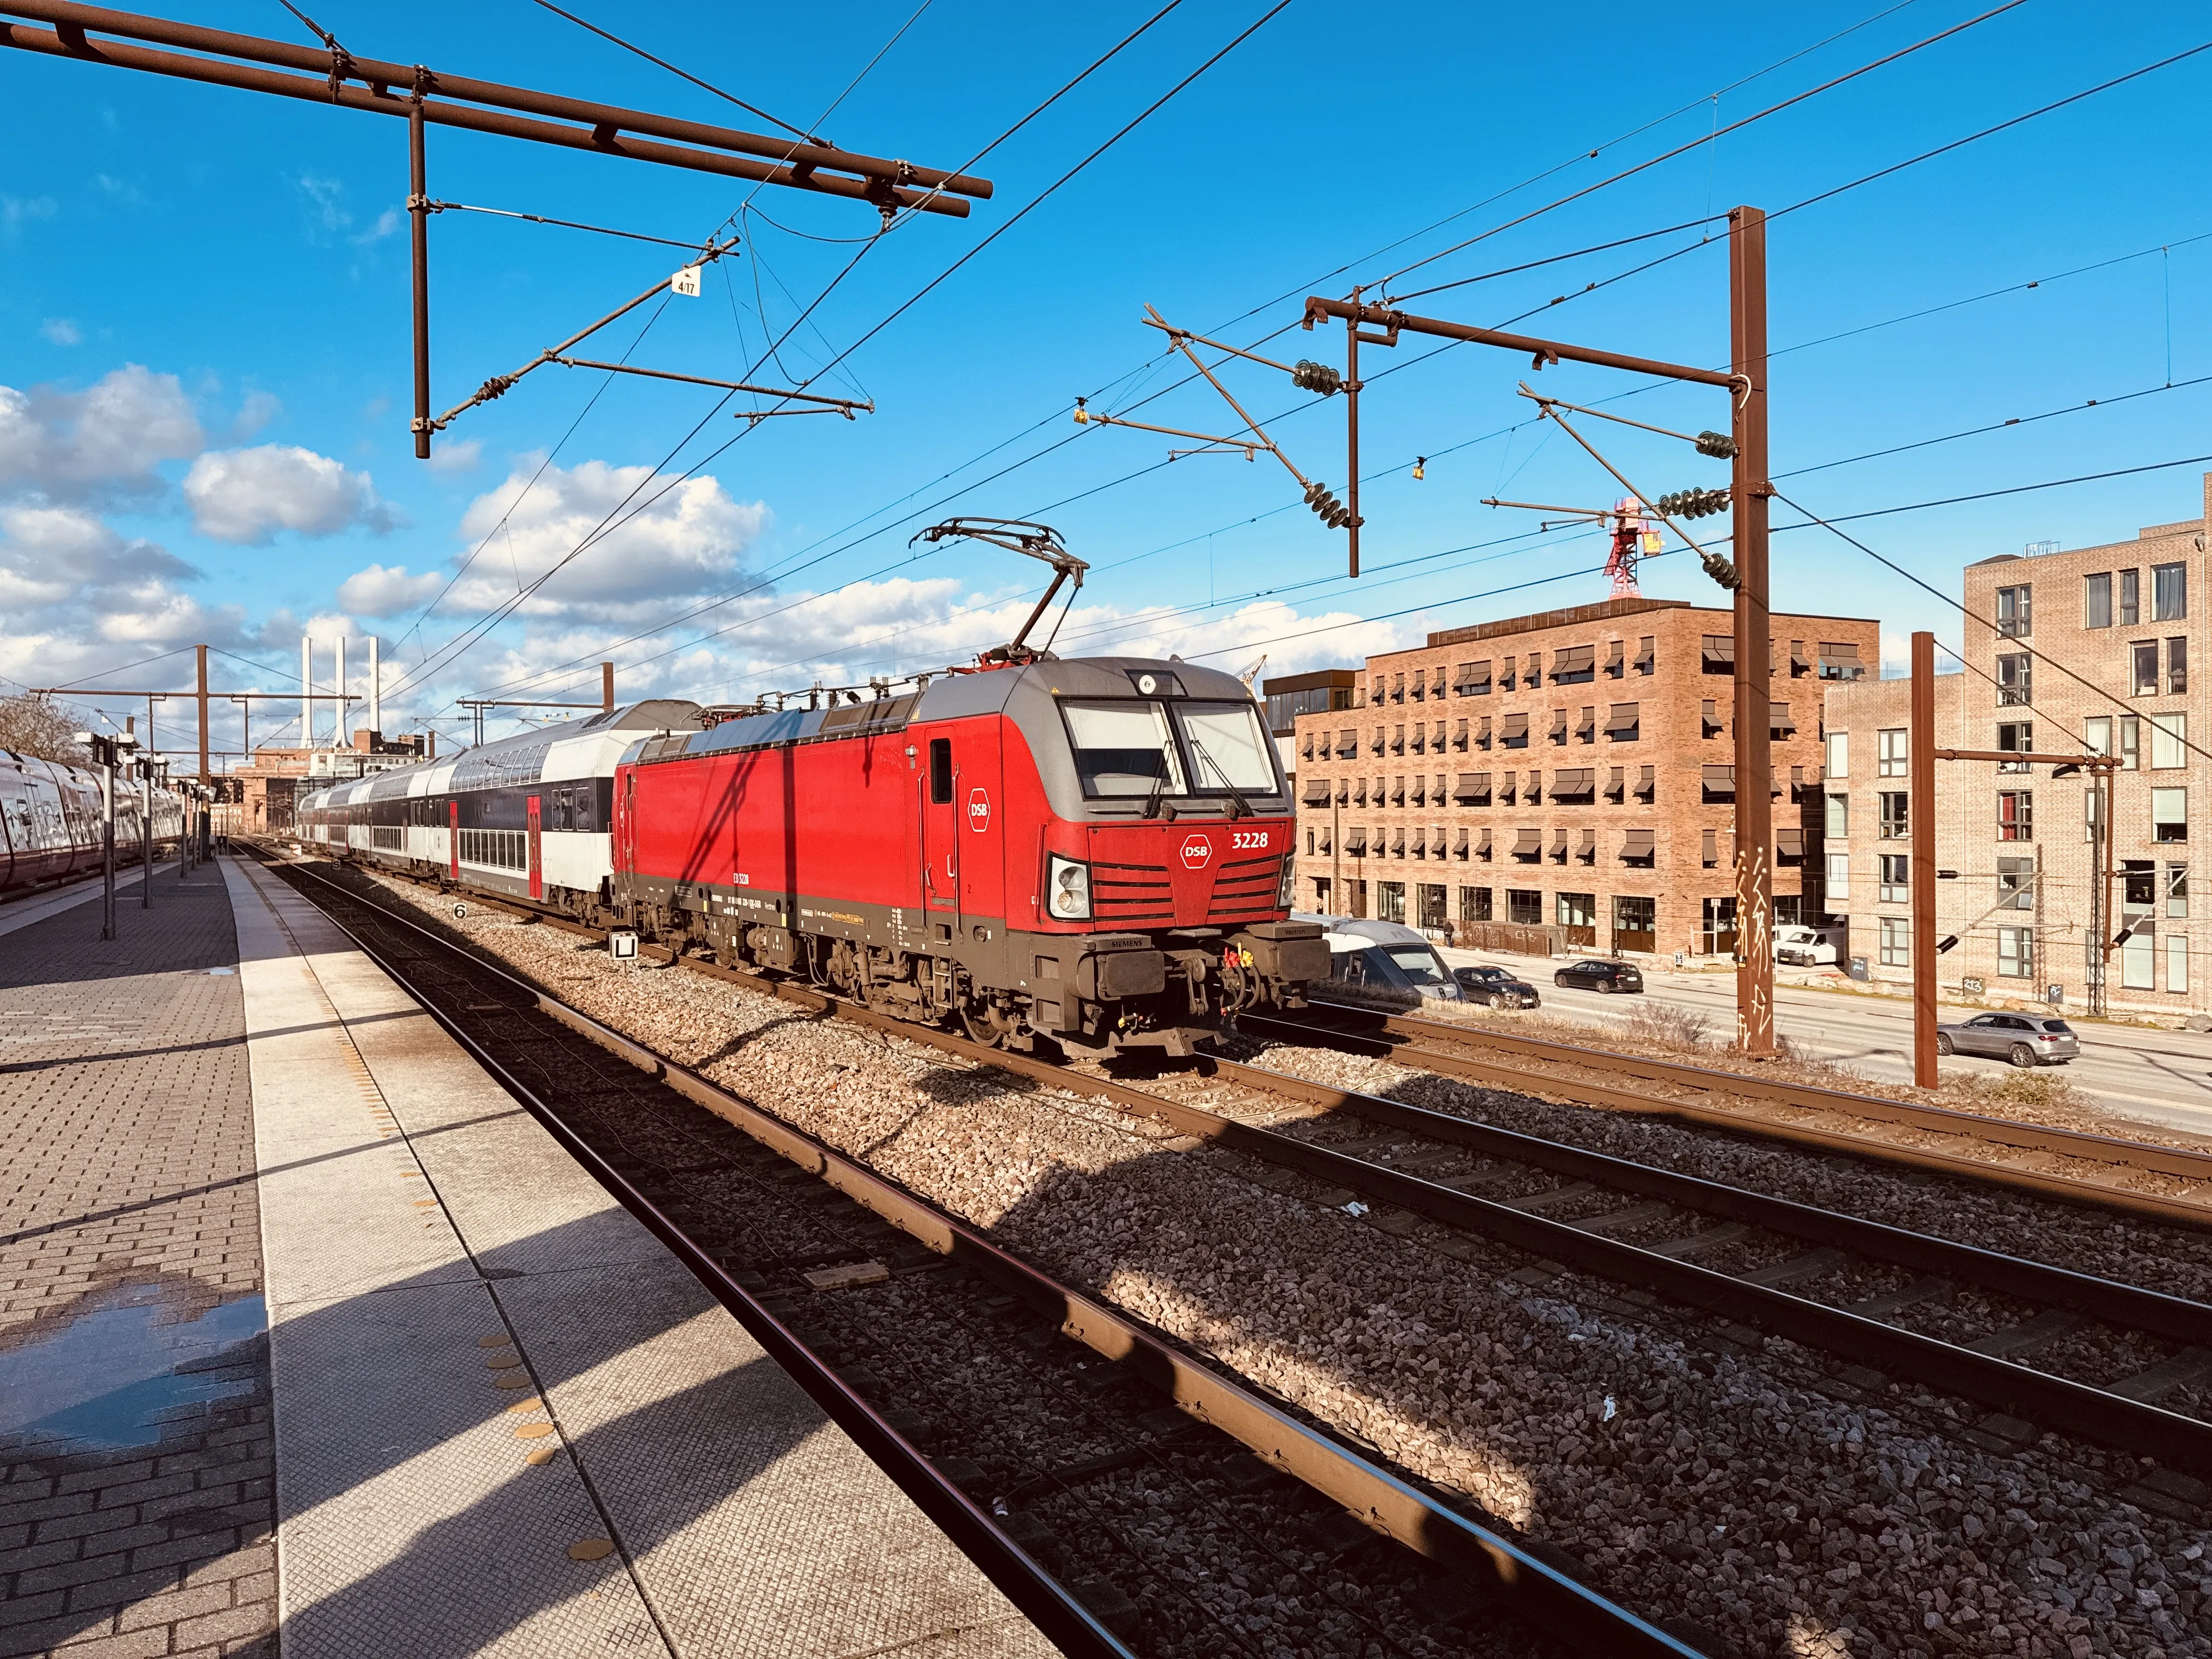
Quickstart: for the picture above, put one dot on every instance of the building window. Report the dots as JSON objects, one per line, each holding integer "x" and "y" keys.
{"x": 1321, "y": 894}
{"x": 2015, "y": 815}
{"x": 1710, "y": 854}
{"x": 2168, "y": 741}
{"x": 2137, "y": 959}
{"x": 2138, "y": 887}
{"x": 1635, "y": 923}
{"x": 2177, "y": 892}
{"x": 2169, "y": 815}
{"x": 2130, "y": 611}
{"x": 2015, "y": 883}
{"x": 1390, "y": 900}
{"x": 1647, "y": 654}
{"x": 1894, "y": 822}
{"x": 1432, "y": 904}
{"x": 2015, "y": 953}
{"x": 2177, "y": 665}
{"x": 1893, "y": 879}
{"x": 2097, "y": 600}
{"x": 1578, "y": 909}
{"x": 2142, "y": 658}
{"x": 2169, "y": 592}
{"x": 2012, "y": 621}
{"x": 2096, "y": 734}
{"x": 1474, "y": 904}
{"x": 1524, "y": 909}
{"x": 1891, "y": 757}
{"x": 2015, "y": 736}
{"x": 1839, "y": 821}
{"x": 1839, "y": 877}
{"x": 2177, "y": 961}
{"x": 1896, "y": 935}
{"x": 2130, "y": 745}
{"x": 1839, "y": 760}
{"x": 2015, "y": 680}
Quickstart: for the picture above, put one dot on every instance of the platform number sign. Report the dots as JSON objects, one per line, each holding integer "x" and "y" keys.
{"x": 979, "y": 811}
{"x": 685, "y": 283}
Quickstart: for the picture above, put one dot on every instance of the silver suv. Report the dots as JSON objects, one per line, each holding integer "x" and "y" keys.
{"x": 2024, "y": 1039}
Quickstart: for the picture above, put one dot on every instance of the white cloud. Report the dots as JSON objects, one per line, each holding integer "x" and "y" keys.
{"x": 668, "y": 539}
{"x": 379, "y": 591}
{"x": 62, "y": 332}
{"x": 245, "y": 496}
{"x": 99, "y": 443}
{"x": 462, "y": 457}
{"x": 16, "y": 211}
{"x": 255, "y": 412}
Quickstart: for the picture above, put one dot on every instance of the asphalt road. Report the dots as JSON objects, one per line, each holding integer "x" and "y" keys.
{"x": 2158, "y": 1077}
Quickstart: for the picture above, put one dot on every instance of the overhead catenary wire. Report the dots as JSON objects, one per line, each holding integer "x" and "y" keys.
{"x": 686, "y": 75}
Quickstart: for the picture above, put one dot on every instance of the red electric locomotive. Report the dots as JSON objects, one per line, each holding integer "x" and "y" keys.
{"x": 1095, "y": 851}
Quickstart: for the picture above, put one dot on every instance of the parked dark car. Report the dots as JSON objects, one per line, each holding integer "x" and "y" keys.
{"x": 1592, "y": 975}
{"x": 1496, "y": 987}
{"x": 2024, "y": 1039}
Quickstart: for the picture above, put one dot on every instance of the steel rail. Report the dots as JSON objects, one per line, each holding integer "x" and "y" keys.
{"x": 1529, "y": 1587}
{"x": 1412, "y": 1041}
{"x": 797, "y": 154}
{"x": 2090, "y": 1412}
{"x": 68, "y": 41}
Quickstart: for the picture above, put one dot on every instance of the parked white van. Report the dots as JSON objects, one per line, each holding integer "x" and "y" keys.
{"x": 1808, "y": 947}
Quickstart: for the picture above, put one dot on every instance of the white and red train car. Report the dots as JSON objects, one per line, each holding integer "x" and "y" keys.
{"x": 1094, "y": 851}
{"x": 50, "y": 821}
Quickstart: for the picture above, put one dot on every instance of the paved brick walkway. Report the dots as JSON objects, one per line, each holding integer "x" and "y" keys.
{"x": 137, "y": 1516}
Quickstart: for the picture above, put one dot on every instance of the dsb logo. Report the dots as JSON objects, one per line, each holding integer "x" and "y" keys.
{"x": 1196, "y": 851}
{"x": 979, "y": 811}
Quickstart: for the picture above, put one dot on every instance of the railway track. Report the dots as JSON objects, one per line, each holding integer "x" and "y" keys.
{"x": 2170, "y": 1183}
{"x": 1151, "y": 1409}
{"x": 1645, "y": 1227}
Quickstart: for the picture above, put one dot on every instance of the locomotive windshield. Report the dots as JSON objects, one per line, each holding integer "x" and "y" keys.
{"x": 1228, "y": 749}
{"x": 1123, "y": 748}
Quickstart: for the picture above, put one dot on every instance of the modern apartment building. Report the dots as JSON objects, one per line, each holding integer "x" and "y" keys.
{"x": 1571, "y": 771}
{"x": 2083, "y": 651}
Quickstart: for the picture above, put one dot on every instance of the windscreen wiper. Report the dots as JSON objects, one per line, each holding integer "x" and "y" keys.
{"x": 1156, "y": 804}
{"x": 1241, "y": 808}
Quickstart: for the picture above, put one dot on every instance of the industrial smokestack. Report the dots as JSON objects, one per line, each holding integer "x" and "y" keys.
{"x": 342, "y": 724}
{"x": 375, "y": 689}
{"x": 307, "y": 691}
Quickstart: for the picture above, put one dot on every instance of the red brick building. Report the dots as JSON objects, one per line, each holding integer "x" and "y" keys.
{"x": 1568, "y": 776}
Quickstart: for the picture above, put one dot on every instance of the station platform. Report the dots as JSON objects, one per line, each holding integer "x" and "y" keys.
{"x": 312, "y": 1341}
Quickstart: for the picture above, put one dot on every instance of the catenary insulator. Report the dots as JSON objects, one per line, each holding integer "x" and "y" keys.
{"x": 1309, "y": 376}
{"x": 1718, "y": 445}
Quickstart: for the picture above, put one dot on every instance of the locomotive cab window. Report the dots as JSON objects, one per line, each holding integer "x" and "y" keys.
{"x": 1123, "y": 748}
{"x": 940, "y": 770}
{"x": 1228, "y": 748}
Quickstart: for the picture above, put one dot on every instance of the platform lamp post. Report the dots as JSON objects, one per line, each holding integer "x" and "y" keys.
{"x": 144, "y": 768}
{"x": 107, "y": 753}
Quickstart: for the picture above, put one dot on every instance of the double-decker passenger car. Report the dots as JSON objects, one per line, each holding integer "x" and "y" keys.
{"x": 1094, "y": 851}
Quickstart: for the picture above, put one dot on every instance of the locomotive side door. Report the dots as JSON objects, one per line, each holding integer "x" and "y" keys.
{"x": 453, "y": 839}
{"x": 537, "y": 848}
{"x": 940, "y": 839}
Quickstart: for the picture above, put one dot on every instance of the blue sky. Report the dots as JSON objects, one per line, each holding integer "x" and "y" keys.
{"x": 204, "y": 302}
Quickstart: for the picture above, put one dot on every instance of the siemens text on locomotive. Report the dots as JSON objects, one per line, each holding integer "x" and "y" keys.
{"x": 1095, "y": 851}
{"x": 50, "y": 821}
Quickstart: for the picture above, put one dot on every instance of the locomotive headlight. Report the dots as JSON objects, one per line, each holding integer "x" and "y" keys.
{"x": 1147, "y": 683}
{"x": 1068, "y": 889}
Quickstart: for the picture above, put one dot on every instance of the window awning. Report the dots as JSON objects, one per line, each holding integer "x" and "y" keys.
{"x": 1463, "y": 835}
{"x": 1473, "y": 787}
{"x": 1645, "y": 651}
{"x": 1482, "y": 844}
{"x": 1645, "y": 774}
{"x": 1639, "y": 844}
{"x": 1625, "y": 717}
{"x": 1472, "y": 677}
{"x": 1528, "y": 843}
{"x": 1559, "y": 841}
{"x": 1436, "y": 840}
{"x": 1778, "y": 717}
{"x": 1573, "y": 780}
{"x": 1790, "y": 839}
{"x": 1840, "y": 659}
{"x": 1573, "y": 660}
{"x": 1514, "y": 726}
{"x": 1355, "y": 842}
{"x": 1615, "y": 652}
{"x": 1316, "y": 792}
{"x": 1558, "y": 722}
{"x": 1719, "y": 650}
{"x": 1719, "y": 777}
{"x": 1589, "y": 841}
{"x": 1798, "y": 661}
{"x": 1397, "y": 841}
{"x": 1325, "y": 844}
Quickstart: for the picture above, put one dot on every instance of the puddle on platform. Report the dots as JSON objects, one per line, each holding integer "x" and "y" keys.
{"x": 109, "y": 1379}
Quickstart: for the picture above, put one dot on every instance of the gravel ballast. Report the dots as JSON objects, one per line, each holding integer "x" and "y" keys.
{"x": 1740, "y": 1488}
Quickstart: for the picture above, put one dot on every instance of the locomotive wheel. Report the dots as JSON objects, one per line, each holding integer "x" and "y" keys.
{"x": 980, "y": 1029}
